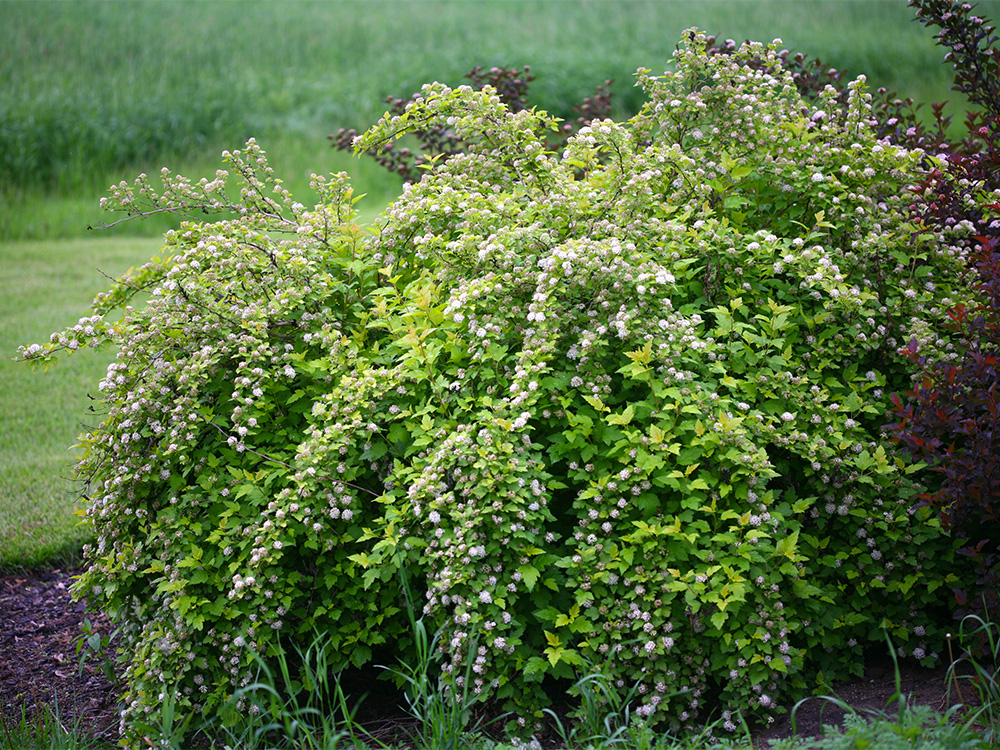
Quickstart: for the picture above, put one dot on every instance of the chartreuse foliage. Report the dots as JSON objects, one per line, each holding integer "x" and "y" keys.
{"x": 611, "y": 408}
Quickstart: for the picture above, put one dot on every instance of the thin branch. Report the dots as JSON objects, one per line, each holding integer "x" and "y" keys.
{"x": 166, "y": 209}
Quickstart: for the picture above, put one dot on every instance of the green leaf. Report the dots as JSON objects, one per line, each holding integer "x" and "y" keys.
{"x": 529, "y": 574}
{"x": 558, "y": 654}
{"x": 624, "y": 418}
{"x": 536, "y": 665}
{"x": 361, "y": 559}
{"x": 563, "y": 620}
{"x": 801, "y": 506}
{"x": 787, "y": 545}
{"x": 641, "y": 355}
{"x": 805, "y": 590}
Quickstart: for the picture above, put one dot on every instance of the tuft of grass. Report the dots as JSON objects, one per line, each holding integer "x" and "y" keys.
{"x": 442, "y": 712}
{"x": 901, "y": 724}
{"x": 290, "y": 709}
{"x": 978, "y": 670}
{"x": 916, "y": 727}
{"x": 45, "y": 731}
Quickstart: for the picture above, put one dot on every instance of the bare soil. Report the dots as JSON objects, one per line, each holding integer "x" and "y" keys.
{"x": 39, "y": 665}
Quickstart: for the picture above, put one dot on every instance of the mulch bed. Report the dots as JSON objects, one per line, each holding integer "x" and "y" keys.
{"x": 39, "y": 666}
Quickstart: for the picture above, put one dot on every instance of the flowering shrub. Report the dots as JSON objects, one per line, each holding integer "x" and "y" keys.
{"x": 613, "y": 408}
{"x": 893, "y": 117}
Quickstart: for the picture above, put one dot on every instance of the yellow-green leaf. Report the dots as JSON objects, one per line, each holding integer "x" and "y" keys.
{"x": 624, "y": 418}
{"x": 596, "y": 403}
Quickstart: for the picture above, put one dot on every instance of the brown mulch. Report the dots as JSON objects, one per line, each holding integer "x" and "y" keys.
{"x": 39, "y": 666}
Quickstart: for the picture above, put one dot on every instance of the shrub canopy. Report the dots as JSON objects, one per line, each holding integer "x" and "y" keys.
{"x": 615, "y": 408}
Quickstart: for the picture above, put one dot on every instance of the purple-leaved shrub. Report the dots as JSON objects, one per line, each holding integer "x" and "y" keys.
{"x": 949, "y": 418}
{"x": 617, "y": 407}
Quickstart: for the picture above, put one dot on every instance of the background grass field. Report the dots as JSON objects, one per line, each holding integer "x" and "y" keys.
{"x": 95, "y": 92}
{"x": 92, "y": 92}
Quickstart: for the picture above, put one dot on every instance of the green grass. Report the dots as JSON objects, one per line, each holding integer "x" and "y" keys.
{"x": 45, "y": 286}
{"x": 35, "y": 213}
{"x": 93, "y": 92}
{"x": 45, "y": 731}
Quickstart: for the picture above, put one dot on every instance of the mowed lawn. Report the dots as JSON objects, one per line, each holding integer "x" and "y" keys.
{"x": 44, "y": 286}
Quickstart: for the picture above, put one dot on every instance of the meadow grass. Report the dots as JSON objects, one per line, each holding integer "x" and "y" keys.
{"x": 93, "y": 92}
{"x": 35, "y": 213}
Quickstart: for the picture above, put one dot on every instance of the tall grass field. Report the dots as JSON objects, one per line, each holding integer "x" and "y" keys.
{"x": 95, "y": 92}
{"x": 92, "y": 92}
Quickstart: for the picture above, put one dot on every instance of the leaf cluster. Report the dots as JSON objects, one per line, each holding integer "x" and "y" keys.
{"x": 949, "y": 421}
{"x": 437, "y": 140}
